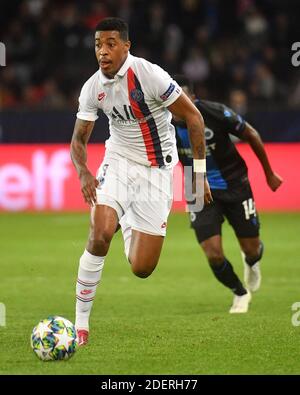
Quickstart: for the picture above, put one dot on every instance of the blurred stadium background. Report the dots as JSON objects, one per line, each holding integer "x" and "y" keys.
{"x": 235, "y": 51}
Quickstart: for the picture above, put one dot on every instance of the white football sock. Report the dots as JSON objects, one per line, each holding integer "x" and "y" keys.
{"x": 126, "y": 231}
{"x": 89, "y": 275}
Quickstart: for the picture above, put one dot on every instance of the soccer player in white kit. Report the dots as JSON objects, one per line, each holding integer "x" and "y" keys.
{"x": 133, "y": 186}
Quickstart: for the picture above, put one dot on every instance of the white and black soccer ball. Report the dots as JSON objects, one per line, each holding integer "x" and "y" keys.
{"x": 54, "y": 338}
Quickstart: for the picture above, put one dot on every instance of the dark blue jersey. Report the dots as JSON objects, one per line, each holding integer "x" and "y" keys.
{"x": 226, "y": 169}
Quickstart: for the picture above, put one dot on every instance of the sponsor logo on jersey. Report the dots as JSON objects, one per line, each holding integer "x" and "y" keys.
{"x": 168, "y": 92}
{"x": 164, "y": 225}
{"x": 137, "y": 95}
{"x": 101, "y": 96}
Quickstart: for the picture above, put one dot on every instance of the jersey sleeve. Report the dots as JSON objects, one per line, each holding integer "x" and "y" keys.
{"x": 88, "y": 109}
{"x": 162, "y": 88}
{"x": 234, "y": 123}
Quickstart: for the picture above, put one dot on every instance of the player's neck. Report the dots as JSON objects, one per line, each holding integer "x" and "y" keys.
{"x": 111, "y": 76}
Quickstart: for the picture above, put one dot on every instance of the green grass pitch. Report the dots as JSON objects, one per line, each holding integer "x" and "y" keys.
{"x": 174, "y": 322}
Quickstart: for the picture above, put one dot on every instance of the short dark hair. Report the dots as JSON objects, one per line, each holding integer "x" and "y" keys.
{"x": 114, "y": 24}
{"x": 182, "y": 80}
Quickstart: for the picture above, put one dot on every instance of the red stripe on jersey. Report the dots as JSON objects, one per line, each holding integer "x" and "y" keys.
{"x": 139, "y": 115}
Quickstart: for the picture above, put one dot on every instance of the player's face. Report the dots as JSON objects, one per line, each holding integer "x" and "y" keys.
{"x": 111, "y": 51}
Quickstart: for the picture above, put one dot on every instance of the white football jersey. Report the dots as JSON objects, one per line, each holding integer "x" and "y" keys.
{"x": 135, "y": 102}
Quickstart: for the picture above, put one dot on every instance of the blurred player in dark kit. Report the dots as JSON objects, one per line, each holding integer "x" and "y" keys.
{"x": 231, "y": 191}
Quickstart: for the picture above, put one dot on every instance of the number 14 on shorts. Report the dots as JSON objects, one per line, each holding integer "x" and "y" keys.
{"x": 249, "y": 207}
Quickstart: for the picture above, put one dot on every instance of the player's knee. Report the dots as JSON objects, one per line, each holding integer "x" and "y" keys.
{"x": 141, "y": 273}
{"x": 139, "y": 270}
{"x": 99, "y": 240}
{"x": 215, "y": 256}
{"x": 253, "y": 253}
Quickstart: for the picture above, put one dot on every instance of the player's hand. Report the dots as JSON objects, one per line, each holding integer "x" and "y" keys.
{"x": 207, "y": 193}
{"x": 202, "y": 194}
{"x": 274, "y": 181}
{"x": 88, "y": 187}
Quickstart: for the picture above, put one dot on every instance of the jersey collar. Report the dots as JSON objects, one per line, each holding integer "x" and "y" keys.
{"x": 125, "y": 66}
{"x": 120, "y": 73}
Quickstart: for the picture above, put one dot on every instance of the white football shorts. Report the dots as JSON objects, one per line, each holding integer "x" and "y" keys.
{"x": 144, "y": 194}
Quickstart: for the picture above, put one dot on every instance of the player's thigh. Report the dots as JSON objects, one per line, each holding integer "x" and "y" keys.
{"x": 103, "y": 224}
{"x": 208, "y": 222}
{"x": 148, "y": 216}
{"x": 243, "y": 217}
{"x": 148, "y": 221}
{"x": 144, "y": 252}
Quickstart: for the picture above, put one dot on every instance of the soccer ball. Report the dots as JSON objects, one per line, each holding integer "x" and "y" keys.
{"x": 54, "y": 338}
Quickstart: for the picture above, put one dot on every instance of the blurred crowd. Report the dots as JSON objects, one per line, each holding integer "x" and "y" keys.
{"x": 237, "y": 51}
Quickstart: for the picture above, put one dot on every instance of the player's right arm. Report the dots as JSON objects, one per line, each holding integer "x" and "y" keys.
{"x": 253, "y": 139}
{"x": 237, "y": 126}
{"x": 184, "y": 109}
{"x": 78, "y": 150}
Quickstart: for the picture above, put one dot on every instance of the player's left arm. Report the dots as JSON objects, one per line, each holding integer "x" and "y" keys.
{"x": 251, "y": 136}
{"x": 184, "y": 109}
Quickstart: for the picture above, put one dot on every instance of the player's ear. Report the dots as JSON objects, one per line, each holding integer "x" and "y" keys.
{"x": 128, "y": 45}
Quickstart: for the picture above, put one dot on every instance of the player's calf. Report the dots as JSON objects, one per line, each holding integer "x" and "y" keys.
{"x": 89, "y": 276}
{"x": 220, "y": 266}
{"x": 224, "y": 273}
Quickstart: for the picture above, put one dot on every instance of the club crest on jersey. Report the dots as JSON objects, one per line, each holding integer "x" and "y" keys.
{"x": 137, "y": 95}
{"x": 101, "y": 96}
